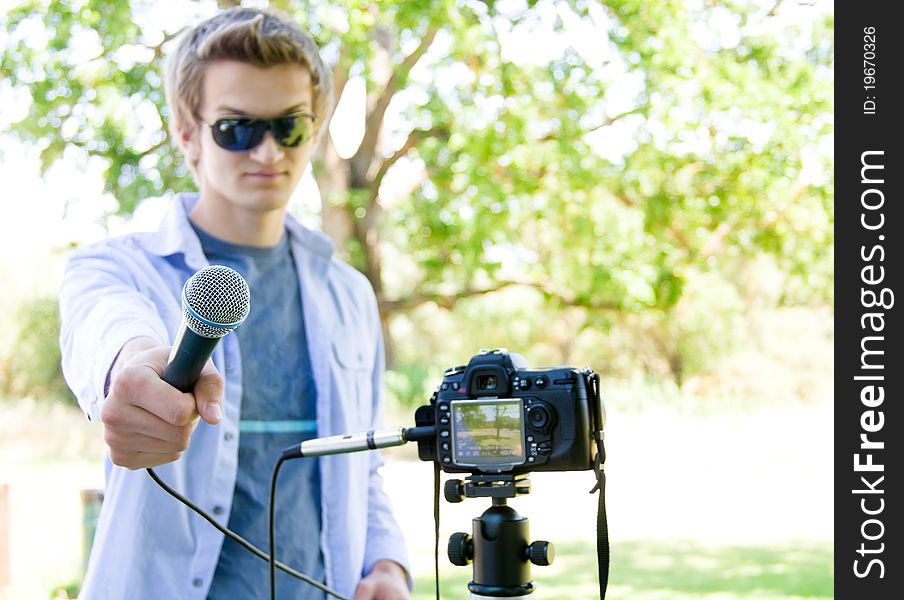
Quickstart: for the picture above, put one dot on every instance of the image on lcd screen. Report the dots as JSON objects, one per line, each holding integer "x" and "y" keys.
{"x": 488, "y": 432}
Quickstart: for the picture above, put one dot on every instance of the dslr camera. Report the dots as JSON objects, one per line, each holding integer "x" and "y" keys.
{"x": 497, "y": 415}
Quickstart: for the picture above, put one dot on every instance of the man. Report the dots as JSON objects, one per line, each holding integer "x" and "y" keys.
{"x": 249, "y": 98}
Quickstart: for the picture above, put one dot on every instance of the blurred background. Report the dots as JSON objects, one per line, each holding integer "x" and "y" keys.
{"x": 642, "y": 187}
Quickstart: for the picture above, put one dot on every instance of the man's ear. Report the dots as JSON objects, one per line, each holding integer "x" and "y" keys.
{"x": 188, "y": 134}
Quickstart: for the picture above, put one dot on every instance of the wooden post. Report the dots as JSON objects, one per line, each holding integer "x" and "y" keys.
{"x": 5, "y": 533}
{"x": 91, "y": 503}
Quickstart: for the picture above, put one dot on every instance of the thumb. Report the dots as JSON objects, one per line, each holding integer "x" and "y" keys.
{"x": 209, "y": 394}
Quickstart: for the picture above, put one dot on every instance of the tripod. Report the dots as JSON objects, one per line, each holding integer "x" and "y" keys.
{"x": 498, "y": 544}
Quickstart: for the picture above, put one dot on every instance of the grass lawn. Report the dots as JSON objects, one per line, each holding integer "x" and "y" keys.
{"x": 653, "y": 570}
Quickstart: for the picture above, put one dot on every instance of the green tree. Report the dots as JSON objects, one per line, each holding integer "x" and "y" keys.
{"x": 33, "y": 367}
{"x": 668, "y": 138}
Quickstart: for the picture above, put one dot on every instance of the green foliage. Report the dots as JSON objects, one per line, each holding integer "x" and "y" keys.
{"x": 688, "y": 338}
{"x": 410, "y": 384}
{"x": 608, "y": 181}
{"x": 32, "y": 368}
{"x": 523, "y": 174}
{"x": 64, "y": 592}
{"x": 89, "y": 103}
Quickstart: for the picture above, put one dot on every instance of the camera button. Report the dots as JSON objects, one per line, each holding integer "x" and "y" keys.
{"x": 444, "y": 386}
{"x": 455, "y": 385}
{"x": 444, "y": 433}
{"x": 444, "y": 420}
{"x": 530, "y": 438}
{"x": 538, "y": 417}
{"x": 531, "y": 459}
{"x": 541, "y": 381}
{"x": 447, "y": 459}
{"x": 445, "y": 446}
{"x": 524, "y": 383}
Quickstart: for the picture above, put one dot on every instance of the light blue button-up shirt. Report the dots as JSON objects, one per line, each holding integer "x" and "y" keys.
{"x": 147, "y": 544}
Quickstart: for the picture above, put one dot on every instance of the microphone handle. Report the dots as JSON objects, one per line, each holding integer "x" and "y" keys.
{"x": 188, "y": 357}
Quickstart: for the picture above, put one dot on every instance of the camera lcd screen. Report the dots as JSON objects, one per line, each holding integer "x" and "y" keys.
{"x": 488, "y": 433}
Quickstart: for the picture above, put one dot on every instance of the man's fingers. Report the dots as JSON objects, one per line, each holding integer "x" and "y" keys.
{"x": 141, "y": 460}
{"x": 140, "y": 385}
{"x": 140, "y": 442}
{"x": 153, "y": 358}
{"x": 130, "y": 419}
{"x": 366, "y": 590}
{"x": 209, "y": 394}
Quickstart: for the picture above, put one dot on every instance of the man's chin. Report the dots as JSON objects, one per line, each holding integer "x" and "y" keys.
{"x": 262, "y": 205}
{"x": 267, "y": 196}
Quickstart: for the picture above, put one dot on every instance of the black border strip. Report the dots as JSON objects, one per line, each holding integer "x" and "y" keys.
{"x": 868, "y": 270}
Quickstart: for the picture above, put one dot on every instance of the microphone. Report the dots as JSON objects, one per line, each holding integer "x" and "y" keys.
{"x": 215, "y": 300}
{"x": 356, "y": 442}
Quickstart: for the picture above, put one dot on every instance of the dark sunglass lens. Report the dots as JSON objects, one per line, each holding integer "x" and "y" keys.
{"x": 238, "y": 135}
{"x": 223, "y": 132}
{"x": 292, "y": 131}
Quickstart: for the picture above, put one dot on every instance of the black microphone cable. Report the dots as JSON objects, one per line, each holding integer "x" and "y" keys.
{"x": 239, "y": 539}
{"x": 340, "y": 444}
{"x": 279, "y": 463}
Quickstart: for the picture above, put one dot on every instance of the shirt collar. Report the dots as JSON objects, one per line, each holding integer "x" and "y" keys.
{"x": 176, "y": 236}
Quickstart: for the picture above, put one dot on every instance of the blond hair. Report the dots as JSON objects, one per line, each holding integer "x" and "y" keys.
{"x": 256, "y": 36}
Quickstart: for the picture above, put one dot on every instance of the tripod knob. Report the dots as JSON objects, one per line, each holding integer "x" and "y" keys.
{"x": 454, "y": 491}
{"x": 541, "y": 553}
{"x": 461, "y": 549}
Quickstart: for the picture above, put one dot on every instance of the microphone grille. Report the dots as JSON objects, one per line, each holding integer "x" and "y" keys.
{"x": 215, "y": 300}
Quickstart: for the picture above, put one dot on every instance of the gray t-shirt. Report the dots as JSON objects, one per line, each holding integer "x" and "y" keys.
{"x": 278, "y": 410}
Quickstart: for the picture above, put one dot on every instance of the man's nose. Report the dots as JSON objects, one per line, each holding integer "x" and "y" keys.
{"x": 268, "y": 151}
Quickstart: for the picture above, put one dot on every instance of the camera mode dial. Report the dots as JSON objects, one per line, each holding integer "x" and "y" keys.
{"x": 452, "y": 371}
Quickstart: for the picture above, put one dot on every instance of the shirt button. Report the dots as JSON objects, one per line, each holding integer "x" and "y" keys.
{"x": 228, "y": 436}
{"x": 230, "y": 367}
{"x": 197, "y": 582}
{"x": 218, "y": 510}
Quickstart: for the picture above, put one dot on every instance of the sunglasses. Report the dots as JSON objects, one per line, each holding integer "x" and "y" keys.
{"x": 238, "y": 134}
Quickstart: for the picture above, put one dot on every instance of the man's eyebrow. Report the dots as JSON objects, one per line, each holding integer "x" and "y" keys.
{"x": 229, "y": 109}
{"x": 296, "y": 108}
{"x": 236, "y": 111}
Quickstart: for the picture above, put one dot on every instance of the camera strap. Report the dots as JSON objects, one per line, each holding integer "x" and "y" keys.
{"x": 599, "y": 464}
{"x": 436, "y": 480}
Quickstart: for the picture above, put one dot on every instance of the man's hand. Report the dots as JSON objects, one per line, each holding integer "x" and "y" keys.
{"x": 386, "y": 581}
{"x": 147, "y": 422}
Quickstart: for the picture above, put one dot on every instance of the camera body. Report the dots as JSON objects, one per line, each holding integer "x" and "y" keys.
{"x": 497, "y": 415}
